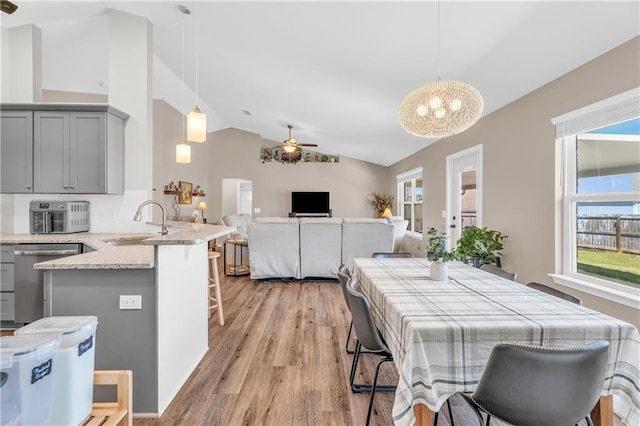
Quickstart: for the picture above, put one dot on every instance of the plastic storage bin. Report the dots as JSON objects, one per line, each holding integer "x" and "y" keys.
{"x": 73, "y": 387}
{"x": 27, "y": 373}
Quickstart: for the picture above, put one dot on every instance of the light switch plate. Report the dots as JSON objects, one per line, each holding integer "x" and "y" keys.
{"x": 257, "y": 210}
{"x": 130, "y": 302}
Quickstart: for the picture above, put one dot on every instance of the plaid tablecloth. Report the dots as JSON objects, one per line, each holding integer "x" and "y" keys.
{"x": 441, "y": 333}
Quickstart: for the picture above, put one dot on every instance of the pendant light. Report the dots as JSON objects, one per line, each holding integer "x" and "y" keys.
{"x": 196, "y": 120}
{"x": 441, "y": 108}
{"x": 183, "y": 150}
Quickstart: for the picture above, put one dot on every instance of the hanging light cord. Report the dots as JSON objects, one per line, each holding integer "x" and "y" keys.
{"x": 438, "y": 43}
{"x": 197, "y": 60}
{"x": 183, "y": 83}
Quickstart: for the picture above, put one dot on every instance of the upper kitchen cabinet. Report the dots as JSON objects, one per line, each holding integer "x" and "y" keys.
{"x": 75, "y": 149}
{"x": 16, "y": 151}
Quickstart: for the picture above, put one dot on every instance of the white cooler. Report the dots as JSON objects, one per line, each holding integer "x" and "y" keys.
{"x": 73, "y": 387}
{"x": 27, "y": 377}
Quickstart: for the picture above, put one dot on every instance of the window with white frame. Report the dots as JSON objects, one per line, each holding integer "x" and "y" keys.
{"x": 601, "y": 198}
{"x": 410, "y": 199}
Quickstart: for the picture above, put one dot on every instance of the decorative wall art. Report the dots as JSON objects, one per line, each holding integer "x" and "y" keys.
{"x": 278, "y": 155}
{"x": 186, "y": 191}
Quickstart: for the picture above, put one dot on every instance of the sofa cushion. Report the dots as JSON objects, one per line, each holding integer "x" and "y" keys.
{"x": 362, "y": 238}
{"x": 277, "y": 220}
{"x": 363, "y": 220}
{"x": 274, "y": 250}
{"x": 320, "y": 247}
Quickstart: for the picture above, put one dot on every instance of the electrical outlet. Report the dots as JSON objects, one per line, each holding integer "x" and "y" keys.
{"x": 130, "y": 302}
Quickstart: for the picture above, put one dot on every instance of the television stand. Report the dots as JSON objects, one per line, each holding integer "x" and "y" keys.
{"x": 293, "y": 214}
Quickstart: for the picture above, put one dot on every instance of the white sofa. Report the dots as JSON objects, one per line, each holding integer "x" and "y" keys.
{"x": 313, "y": 247}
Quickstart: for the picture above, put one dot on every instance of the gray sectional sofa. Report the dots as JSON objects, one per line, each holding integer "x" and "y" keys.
{"x": 315, "y": 247}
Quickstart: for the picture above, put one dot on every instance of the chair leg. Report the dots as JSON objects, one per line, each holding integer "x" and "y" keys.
{"x": 359, "y": 388}
{"x": 354, "y": 364}
{"x": 218, "y": 292}
{"x": 374, "y": 387}
{"x": 346, "y": 346}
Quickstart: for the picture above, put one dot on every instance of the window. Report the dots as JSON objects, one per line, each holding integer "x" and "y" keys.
{"x": 410, "y": 199}
{"x": 601, "y": 199}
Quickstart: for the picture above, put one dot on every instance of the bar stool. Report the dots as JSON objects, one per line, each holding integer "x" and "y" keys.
{"x": 214, "y": 282}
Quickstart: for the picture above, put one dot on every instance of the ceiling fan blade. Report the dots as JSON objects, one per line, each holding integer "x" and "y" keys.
{"x": 8, "y": 7}
{"x": 307, "y": 144}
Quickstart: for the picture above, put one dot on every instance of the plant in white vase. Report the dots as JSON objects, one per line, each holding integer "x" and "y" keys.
{"x": 437, "y": 253}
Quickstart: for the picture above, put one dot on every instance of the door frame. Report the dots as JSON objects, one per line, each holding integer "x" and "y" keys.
{"x": 474, "y": 151}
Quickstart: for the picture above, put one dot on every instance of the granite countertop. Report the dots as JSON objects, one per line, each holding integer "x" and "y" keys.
{"x": 111, "y": 254}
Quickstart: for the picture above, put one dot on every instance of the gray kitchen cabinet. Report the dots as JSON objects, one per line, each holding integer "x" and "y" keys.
{"x": 7, "y": 283}
{"x": 75, "y": 148}
{"x": 16, "y": 151}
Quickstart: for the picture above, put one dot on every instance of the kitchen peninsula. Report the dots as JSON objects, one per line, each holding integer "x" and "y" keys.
{"x": 164, "y": 339}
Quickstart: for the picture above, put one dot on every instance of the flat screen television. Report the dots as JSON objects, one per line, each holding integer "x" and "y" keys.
{"x": 310, "y": 202}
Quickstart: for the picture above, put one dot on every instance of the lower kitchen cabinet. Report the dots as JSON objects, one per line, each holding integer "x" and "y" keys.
{"x": 7, "y": 283}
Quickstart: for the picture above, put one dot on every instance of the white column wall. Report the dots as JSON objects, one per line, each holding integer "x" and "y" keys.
{"x": 21, "y": 64}
{"x": 130, "y": 85}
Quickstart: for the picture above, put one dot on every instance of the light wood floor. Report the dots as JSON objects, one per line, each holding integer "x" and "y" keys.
{"x": 279, "y": 360}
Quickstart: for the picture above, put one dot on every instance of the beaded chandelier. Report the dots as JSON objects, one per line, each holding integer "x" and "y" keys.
{"x": 440, "y": 108}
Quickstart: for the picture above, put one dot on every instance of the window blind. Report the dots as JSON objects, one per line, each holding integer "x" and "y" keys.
{"x": 616, "y": 109}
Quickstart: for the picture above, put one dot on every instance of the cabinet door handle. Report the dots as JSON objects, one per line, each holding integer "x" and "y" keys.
{"x": 28, "y": 186}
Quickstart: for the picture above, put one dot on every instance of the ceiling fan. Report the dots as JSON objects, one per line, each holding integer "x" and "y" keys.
{"x": 291, "y": 144}
{"x": 8, "y": 7}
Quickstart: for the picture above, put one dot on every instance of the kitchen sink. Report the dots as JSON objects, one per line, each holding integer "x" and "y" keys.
{"x": 127, "y": 241}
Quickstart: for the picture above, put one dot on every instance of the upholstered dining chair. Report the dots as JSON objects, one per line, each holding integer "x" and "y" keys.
{"x": 554, "y": 292}
{"x": 368, "y": 337}
{"x": 533, "y": 385}
{"x": 499, "y": 271}
{"x": 379, "y": 255}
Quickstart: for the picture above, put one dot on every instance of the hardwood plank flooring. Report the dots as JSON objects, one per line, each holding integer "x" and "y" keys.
{"x": 279, "y": 360}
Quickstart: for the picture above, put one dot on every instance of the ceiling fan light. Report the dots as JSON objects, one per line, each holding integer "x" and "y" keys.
{"x": 183, "y": 153}
{"x": 422, "y": 110}
{"x": 460, "y": 106}
{"x": 290, "y": 148}
{"x": 196, "y": 126}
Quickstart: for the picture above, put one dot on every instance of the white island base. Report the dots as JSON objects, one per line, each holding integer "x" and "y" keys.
{"x": 182, "y": 315}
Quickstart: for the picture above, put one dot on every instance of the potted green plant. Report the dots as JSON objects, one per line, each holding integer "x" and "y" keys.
{"x": 478, "y": 246}
{"x": 381, "y": 202}
{"x": 438, "y": 254}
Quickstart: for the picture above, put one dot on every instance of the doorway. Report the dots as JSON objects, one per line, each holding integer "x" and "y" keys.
{"x": 464, "y": 192}
{"x": 237, "y": 197}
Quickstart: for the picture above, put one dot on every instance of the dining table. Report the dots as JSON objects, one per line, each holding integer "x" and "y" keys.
{"x": 441, "y": 333}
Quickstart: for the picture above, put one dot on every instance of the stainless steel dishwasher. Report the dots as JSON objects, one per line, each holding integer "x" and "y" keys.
{"x": 29, "y": 282}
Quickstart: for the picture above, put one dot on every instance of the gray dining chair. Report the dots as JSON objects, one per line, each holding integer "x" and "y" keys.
{"x": 534, "y": 385}
{"x": 499, "y": 271}
{"x": 554, "y": 292}
{"x": 368, "y": 337}
{"x": 343, "y": 276}
{"x": 380, "y": 255}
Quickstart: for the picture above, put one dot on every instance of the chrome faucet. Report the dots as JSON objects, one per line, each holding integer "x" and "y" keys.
{"x": 138, "y": 215}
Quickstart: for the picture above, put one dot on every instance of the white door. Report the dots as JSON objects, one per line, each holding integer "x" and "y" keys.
{"x": 464, "y": 192}
{"x": 245, "y": 196}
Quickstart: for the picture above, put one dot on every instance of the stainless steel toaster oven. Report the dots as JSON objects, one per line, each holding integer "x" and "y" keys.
{"x": 58, "y": 217}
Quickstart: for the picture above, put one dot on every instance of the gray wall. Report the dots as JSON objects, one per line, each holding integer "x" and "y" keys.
{"x": 235, "y": 154}
{"x": 519, "y": 153}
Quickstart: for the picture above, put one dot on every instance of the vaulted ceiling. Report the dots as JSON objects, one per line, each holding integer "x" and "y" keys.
{"x": 335, "y": 70}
